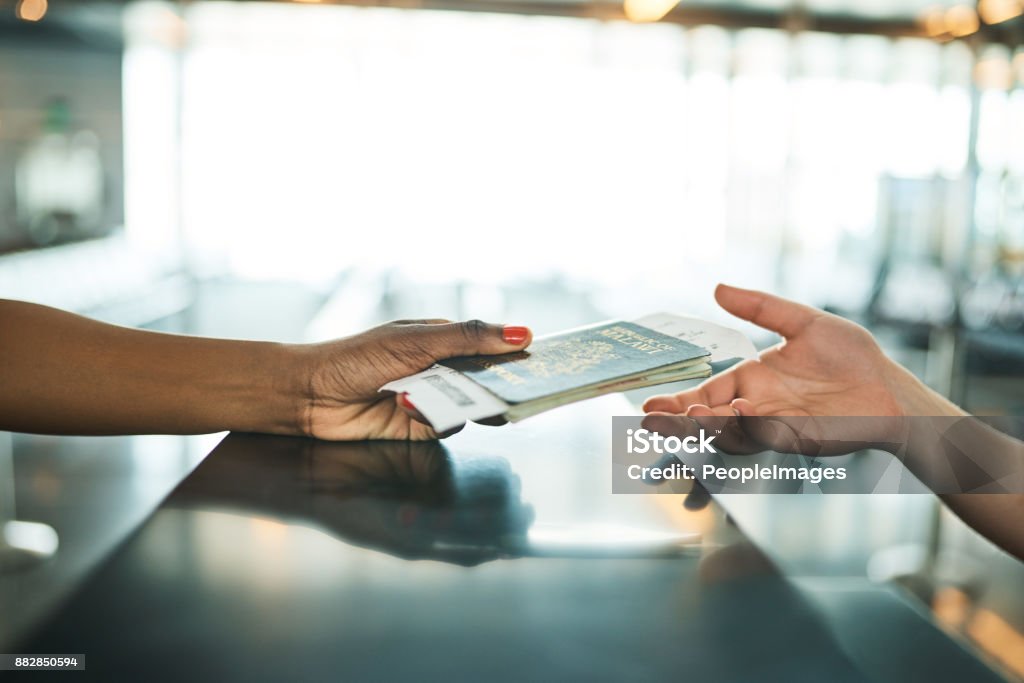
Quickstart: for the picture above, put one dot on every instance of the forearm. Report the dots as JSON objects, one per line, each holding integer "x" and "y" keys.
{"x": 936, "y": 450}
{"x": 65, "y": 374}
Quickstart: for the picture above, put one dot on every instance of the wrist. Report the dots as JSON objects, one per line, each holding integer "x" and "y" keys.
{"x": 281, "y": 399}
{"x": 303, "y": 364}
{"x": 906, "y": 394}
{"x": 912, "y": 397}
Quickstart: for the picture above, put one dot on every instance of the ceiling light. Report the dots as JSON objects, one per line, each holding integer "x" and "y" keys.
{"x": 31, "y": 10}
{"x": 642, "y": 11}
{"x": 934, "y": 21}
{"x": 961, "y": 20}
{"x": 998, "y": 11}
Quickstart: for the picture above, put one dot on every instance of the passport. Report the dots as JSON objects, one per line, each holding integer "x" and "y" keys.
{"x": 583, "y": 361}
{"x": 572, "y": 366}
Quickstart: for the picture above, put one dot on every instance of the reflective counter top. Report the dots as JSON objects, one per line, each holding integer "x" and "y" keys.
{"x": 498, "y": 554}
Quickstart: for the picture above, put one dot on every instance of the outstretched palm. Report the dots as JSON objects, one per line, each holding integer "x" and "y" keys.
{"x": 825, "y": 366}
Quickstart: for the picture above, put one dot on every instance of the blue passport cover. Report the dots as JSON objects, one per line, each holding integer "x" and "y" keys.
{"x": 575, "y": 359}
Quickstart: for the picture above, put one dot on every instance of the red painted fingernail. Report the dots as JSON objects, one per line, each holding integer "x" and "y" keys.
{"x": 406, "y": 403}
{"x": 514, "y": 334}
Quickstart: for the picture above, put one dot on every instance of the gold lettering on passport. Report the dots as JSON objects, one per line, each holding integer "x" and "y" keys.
{"x": 637, "y": 341}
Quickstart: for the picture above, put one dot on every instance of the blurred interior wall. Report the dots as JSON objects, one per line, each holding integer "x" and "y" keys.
{"x": 452, "y": 145}
{"x": 37, "y": 76}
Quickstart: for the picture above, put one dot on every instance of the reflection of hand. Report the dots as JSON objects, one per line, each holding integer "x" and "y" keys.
{"x": 406, "y": 499}
{"x": 379, "y": 469}
{"x": 826, "y": 366}
{"x": 345, "y": 375}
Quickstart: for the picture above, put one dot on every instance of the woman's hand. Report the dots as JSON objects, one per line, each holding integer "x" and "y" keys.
{"x": 65, "y": 374}
{"x": 825, "y": 366}
{"x": 344, "y": 375}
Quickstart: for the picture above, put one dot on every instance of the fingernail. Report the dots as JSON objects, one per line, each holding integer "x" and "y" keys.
{"x": 406, "y": 403}
{"x": 514, "y": 334}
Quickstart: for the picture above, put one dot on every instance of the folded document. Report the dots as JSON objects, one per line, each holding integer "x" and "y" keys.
{"x": 571, "y": 366}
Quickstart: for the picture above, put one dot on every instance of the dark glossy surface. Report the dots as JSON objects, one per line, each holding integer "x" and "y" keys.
{"x": 501, "y": 555}
{"x": 94, "y": 491}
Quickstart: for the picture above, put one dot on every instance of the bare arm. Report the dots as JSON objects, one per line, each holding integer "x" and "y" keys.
{"x": 997, "y": 516}
{"x": 828, "y": 366}
{"x": 64, "y": 374}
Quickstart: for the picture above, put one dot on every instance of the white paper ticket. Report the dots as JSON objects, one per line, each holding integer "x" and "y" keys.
{"x": 723, "y": 343}
{"x": 447, "y": 398}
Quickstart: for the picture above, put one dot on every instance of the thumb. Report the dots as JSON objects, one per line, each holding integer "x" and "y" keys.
{"x": 765, "y": 310}
{"x": 470, "y": 338}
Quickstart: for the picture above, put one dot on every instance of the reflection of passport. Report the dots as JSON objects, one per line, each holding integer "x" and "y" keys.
{"x": 590, "y": 358}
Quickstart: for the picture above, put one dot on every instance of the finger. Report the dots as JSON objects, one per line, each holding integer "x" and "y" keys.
{"x": 771, "y": 312}
{"x": 469, "y": 338}
{"x": 774, "y": 434}
{"x": 744, "y": 407}
{"x": 699, "y": 410}
{"x": 720, "y": 420}
{"x": 663, "y": 403}
{"x": 421, "y": 321}
{"x": 731, "y": 437}
{"x": 715, "y": 391}
{"x": 409, "y": 409}
{"x": 670, "y": 424}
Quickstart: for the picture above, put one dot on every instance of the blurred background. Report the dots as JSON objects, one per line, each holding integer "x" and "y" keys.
{"x": 302, "y": 170}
